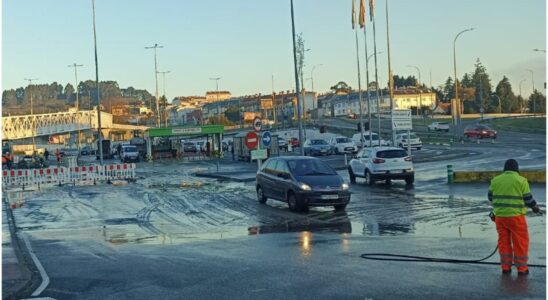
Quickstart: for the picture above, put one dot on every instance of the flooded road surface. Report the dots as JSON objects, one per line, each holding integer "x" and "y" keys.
{"x": 171, "y": 235}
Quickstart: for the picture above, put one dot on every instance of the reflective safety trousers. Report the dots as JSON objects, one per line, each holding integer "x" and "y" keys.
{"x": 513, "y": 242}
{"x": 510, "y": 194}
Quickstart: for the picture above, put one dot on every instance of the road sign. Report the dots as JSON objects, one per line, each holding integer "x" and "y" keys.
{"x": 259, "y": 154}
{"x": 266, "y": 139}
{"x": 251, "y": 140}
{"x": 401, "y": 119}
{"x": 257, "y": 124}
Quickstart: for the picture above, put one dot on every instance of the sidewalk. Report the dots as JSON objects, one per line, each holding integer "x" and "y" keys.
{"x": 16, "y": 276}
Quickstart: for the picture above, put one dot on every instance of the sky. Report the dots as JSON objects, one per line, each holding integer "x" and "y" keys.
{"x": 248, "y": 43}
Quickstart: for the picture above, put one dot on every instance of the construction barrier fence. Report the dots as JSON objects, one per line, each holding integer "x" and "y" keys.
{"x": 67, "y": 175}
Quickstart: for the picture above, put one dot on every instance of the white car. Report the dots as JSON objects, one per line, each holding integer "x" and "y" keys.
{"x": 402, "y": 141}
{"x": 439, "y": 126}
{"x": 382, "y": 163}
{"x": 341, "y": 144}
{"x": 129, "y": 153}
{"x": 375, "y": 140}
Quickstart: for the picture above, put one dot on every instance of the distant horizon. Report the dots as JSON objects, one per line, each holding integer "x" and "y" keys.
{"x": 202, "y": 41}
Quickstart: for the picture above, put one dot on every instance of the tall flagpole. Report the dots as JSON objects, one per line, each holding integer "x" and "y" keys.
{"x": 390, "y": 79}
{"x": 367, "y": 86}
{"x": 359, "y": 74}
{"x": 371, "y": 8}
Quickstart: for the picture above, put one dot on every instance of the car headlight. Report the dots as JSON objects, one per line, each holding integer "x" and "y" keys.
{"x": 345, "y": 186}
{"x": 304, "y": 187}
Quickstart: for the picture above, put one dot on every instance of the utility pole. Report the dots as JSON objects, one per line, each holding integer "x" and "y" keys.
{"x": 156, "y": 76}
{"x": 218, "y": 104}
{"x": 274, "y": 107}
{"x": 164, "y": 85}
{"x": 75, "y": 66}
{"x": 419, "y": 109}
{"x": 32, "y": 115}
{"x": 100, "y": 135}
{"x": 390, "y": 79}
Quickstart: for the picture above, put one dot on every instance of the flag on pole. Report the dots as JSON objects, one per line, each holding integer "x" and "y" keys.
{"x": 362, "y": 14}
{"x": 353, "y": 14}
{"x": 371, "y": 9}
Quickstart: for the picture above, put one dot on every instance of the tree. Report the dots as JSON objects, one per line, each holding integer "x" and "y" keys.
{"x": 482, "y": 83}
{"x": 341, "y": 88}
{"x": 69, "y": 93}
{"x": 448, "y": 90}
{"x": 233, "y": 114}
{"x": 537, "y": 103}
{"x": 509, "y": 101}
{"x": 9, "y": 97}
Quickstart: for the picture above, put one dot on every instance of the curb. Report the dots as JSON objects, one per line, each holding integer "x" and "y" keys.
{"x": 486, "y": 176}
{"x": 26, "y": 264}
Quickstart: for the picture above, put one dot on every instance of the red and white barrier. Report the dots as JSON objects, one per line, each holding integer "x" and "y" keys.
{"x": 66, "y": 175}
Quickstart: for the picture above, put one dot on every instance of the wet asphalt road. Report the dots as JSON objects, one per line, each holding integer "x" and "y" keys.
{"x": 156, "y": 239}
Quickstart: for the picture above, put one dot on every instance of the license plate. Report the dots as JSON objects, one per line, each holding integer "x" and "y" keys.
{"x": 330, "y": 197}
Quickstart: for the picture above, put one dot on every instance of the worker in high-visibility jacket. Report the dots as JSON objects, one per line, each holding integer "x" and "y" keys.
{"x": 510, "y": 195}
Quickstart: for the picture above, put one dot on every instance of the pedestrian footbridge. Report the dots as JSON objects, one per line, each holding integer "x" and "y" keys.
{"x": 26, "y": 126}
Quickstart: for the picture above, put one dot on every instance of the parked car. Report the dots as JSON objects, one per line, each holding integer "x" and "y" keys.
{"x": 316, "y": 147}
{"x": 129, "y": 153}
{"x": 301, "y": 182}
{"x": 341, "y": 144}
{"x": 439, "y": 126}
{"x": 282, "y": 144}
{"x": 402, "y": 141}
{"x": 69, "y": 152}
{"x": 382, "y": 163}
{"x": 480, "y": 132}
{"x": 190, "y": 147}
{"x": 375, "y": 140}
{"x": 86, "y": 150}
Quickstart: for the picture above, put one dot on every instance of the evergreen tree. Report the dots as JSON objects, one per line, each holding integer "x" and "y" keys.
{"x": 509, "y": 102}
{"x": 537, "y": 103}
{"x": 482, "y": 83}
{"x": 449, "y": 90}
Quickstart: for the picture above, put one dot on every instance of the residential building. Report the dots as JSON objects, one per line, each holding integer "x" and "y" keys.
{"x": 217, "y": 96}
{"x": 408, "y": 98}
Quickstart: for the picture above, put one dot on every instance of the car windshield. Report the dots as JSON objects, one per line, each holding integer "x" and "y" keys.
{"x": 413, "y": 136}
{"x": 189, "y": 144}
{"x": 391, "y": 154}
{"x": 130, "y": 148}
{"x": 309, "y": 167}
{"x": 318, "y": 142}
{"x": 443, "y": 124}
{"x": 373, "y": 137}
{"x": 343, "y": 140}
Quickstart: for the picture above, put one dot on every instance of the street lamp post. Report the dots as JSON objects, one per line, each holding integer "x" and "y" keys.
{"x": 456, "y": 117}
{"x": 32, "y": 115}
{"x": 297, "y": 87}
{"x": 75, "y": 66}
{"x": 217, "y": 91}
{"x": 369, "y": 100}
{"x": 312, "y": 79}
{"x": 540, "y": 50}
{"x": 419, "y": 108}
{"x": 164, "y": 86}
{"x": 521, "y": 108}
{"x": 533, "y": 83}
{"x": 156, "y": 76}
{"x": 500, "y": 103}
{"x": 99, "y": 134}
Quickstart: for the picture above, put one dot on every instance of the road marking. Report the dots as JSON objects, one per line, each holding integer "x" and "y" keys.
{"x": 45, "y": 278}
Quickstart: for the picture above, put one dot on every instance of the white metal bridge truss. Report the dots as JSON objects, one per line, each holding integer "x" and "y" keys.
{"x": 26, "y": 126}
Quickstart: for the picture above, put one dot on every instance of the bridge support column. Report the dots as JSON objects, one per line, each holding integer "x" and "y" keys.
{"x": 149, "y": 149}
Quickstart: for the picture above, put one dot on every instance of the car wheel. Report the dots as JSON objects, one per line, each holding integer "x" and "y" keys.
{"x": 400, "y": 145}
{"x": 260, "y": 195}
{"x": 294, "y": 203}
{"x": 446, "y": 130}
{"x": 351, "y": 175}
{"x": 369, "y": 180}
{"x": 410, "y": 179}
{"x": 418, "y": 148}
{"x": 388, "y": 181}
{"x": 340, "y": 207}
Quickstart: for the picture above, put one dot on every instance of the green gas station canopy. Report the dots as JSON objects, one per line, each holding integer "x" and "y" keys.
{"x": 186, "y": 130}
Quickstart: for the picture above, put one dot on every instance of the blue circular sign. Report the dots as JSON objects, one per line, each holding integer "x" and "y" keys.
{"x": 266, "y": 139}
